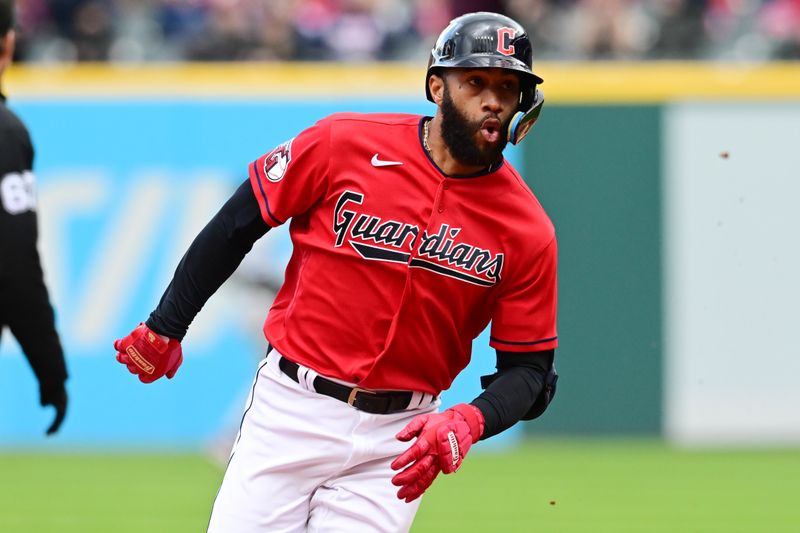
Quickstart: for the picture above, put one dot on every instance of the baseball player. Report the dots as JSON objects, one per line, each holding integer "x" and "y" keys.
{"x": 410, "y": 235}
{"x": 24, "y": 303}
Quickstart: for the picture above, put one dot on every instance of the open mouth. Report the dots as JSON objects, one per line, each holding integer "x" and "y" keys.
{"x": 490, "y": 129}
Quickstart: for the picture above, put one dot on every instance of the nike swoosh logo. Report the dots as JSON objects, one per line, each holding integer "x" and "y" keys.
{"x": 380, "y": 163}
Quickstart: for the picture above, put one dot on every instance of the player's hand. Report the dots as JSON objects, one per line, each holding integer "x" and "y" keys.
{"x": 148, "y": 355}
{"x": 443, "y": 439}
{"x": 55, "y": 394}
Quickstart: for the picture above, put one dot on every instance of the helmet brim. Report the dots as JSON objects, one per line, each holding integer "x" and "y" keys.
{"x": 490, "y": 61}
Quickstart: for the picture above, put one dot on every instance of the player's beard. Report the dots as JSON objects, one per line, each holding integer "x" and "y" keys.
{"x": 459, "y": 134}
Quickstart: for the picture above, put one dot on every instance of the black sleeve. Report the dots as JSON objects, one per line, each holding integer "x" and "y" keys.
{"x": 27, "y": 311}
{"x": 513, "y": 389}
{"x": 210, "y": 260}
{"x": 24, "y": 301}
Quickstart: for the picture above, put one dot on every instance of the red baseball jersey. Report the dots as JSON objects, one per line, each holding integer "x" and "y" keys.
{"x": 396, "y": 267}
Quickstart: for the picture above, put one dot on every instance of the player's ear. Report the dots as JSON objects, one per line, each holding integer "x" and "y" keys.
{"x": 436, "y": 87}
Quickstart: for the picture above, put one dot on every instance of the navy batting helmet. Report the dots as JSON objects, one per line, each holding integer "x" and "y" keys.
{"x": 490, "y": 40}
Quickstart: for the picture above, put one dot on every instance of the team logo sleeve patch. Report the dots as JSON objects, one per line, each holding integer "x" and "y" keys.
{"x": 277, "y": 161}
{"x": 290, "y": 178}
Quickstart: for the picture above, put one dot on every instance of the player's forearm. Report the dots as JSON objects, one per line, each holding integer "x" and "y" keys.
{"x": 214, "y": 255}
{"x": 519, "y": 381}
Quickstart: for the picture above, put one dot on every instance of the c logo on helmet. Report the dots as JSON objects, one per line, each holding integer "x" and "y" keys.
{"x": 504, "y": 37}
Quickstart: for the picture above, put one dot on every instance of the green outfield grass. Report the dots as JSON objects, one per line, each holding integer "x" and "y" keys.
{"x": 563, "y": 487}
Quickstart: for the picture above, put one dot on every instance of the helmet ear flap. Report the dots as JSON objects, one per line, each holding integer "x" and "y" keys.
{"x": 527, "y": 95}
{"x": 526, "y": 117}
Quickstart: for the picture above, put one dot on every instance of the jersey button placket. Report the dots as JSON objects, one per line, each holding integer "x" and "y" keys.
{"x": 445, "y": 186}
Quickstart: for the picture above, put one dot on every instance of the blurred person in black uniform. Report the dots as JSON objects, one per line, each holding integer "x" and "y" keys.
{"x": 24, "y": 304}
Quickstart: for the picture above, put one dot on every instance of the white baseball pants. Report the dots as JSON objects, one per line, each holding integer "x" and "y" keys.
{"x": 305, "y": 462}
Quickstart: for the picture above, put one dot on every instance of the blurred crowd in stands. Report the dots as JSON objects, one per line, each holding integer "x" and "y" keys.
{"x": 366, "y": 30}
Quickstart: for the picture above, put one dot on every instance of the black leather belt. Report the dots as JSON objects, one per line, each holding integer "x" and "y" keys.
{"x": 379, "y": 403}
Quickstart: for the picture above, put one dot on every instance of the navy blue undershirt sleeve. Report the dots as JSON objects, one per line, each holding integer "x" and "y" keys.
{"x": 513, "y": 390}
{"x": 214, "y": 255}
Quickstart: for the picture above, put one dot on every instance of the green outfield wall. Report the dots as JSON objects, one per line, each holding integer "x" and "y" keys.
{"x": 596, "y": 170}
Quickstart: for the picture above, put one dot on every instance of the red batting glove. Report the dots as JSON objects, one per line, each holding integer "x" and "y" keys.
{"x": 148, "y": 355}
{"x": 443, "y": 439}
